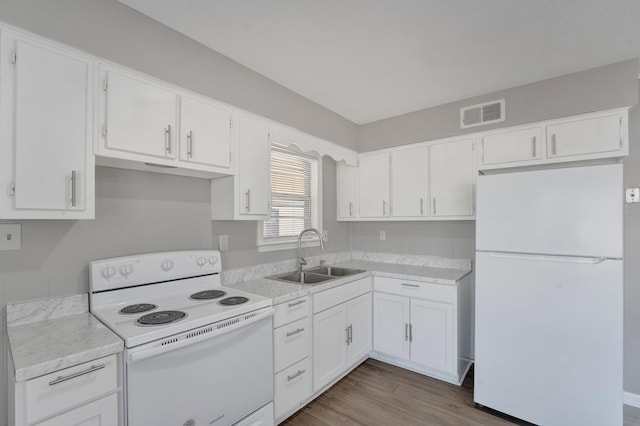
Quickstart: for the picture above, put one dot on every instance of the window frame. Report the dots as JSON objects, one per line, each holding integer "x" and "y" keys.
{"x": 308, "y": 240}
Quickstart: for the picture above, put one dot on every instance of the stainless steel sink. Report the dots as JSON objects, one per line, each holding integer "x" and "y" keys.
{"x": 301, "y": 277}
{"x": 335, "y": 271}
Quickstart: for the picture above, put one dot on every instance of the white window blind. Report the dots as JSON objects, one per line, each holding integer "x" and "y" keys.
{"x": 294, "y": 189}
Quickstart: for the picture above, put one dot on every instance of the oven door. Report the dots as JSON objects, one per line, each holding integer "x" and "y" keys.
{"x": 214, "y": 375}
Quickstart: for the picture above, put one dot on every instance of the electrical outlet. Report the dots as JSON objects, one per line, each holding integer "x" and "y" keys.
{"x": 325, "y": 235}
{"x": 10, "y": 236}
{"x": 633, "y": 195}
{"x": 383, "y": 235}
{"x": 223, "y": 242}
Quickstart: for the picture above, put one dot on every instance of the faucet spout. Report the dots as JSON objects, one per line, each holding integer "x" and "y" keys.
{"x": 301, "y": 260}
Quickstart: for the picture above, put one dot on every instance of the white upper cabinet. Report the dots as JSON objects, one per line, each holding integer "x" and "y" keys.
{"x": 46, "y": 161}
{"x": 585, "y": 136}
{"x": 205, "y": 132}
{"x": 140, "y": 117}
{"x": 247, "y": 194}
{"x": 599, "y": 136}
{"x": 373, "y": 178}
{"x": 410, "y": 182}
{"x": 347, "y": 191}
{"x": 513, "y": 146}
{"x": 452, "y": 173}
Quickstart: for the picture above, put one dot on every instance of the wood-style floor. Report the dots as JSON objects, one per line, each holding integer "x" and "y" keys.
{"x": 376, "y": 393}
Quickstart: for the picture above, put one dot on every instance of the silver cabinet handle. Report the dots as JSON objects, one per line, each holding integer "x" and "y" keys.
{"x": 298, "y": 374}
{"x": 406, "y": 332}
{"x": 167, "y": 139}
{"x": 293, "y": 333}
{"x": 384, "y": 207}
{"x": 91, "y": 369}
{"x": 74, "y": 188}
{"x": 554, "y": 147}
{"x": 346, "y": 330}
{"x": 350, "y": 209}
{"x": 410, "y": 285}
{"x": 410, "y": 332}
{"x": 190, "y": 144}
{"x": 534, "y": 146}
{"x": 421, "y": 206}
{"x": 350, "y": 336}
{"x": 248, "y": 195}
{"x": 299, "y": 302}
{"x": 434, "y": 206}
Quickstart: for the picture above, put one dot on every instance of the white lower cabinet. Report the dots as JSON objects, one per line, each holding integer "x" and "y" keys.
{"x": 85, "y": 394}
{"x": 342, "y": 334}
{"x": 423, "y": 326}
{"x": 292, "y": 356}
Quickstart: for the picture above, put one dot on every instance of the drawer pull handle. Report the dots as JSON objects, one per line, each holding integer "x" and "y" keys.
{"x": 410, "y": 285}
{"x": 298, "y": 374}
{"x": 299, "y": 302}
{"x": 91, "y": 369}
{"x": 293, "y": 333}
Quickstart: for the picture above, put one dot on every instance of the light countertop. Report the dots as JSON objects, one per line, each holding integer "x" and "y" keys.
{"x": 47, "y": 345}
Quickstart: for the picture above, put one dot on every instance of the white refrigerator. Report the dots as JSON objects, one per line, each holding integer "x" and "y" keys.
{"x": 549, "y": 288}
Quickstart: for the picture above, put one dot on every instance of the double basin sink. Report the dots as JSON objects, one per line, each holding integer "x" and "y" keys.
{"x": 315, "y": 275}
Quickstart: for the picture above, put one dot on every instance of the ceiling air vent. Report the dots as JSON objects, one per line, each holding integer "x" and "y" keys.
{"x": 478, "y": 115}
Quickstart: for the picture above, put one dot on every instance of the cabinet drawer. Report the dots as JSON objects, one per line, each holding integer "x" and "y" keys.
{"x": 290, "y": 311}
{"x": 56, "y": 391}
{"x": 292, "y": 388}
{"x": 419, "y": 289}
{"x": 291, "y": 343}
{"x": 328, "y": 298}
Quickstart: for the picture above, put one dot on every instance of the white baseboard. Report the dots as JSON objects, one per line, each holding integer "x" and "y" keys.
{"x": 632, "y": 399}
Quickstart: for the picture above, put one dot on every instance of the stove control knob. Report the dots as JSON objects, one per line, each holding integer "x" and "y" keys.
{"x": 108, "y": 272}
{"x": 213, "y": 260}
{"x": 201, "y": 261}
{"x": 167, "y": 265}
{"x": 126, "y": 270}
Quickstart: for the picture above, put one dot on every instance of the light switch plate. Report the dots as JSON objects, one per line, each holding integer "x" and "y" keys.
{"x": 633, "y": 195}
{"x": 325, "y": 235}
{"x": 383, "y": 235}
{"x": 10, "y": 236}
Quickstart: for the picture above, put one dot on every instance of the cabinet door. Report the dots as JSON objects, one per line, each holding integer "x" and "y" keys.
{"x": 432, "y": 334}
{"x": 585, "y": 136}
{"x": 140, "y": 116}
{"x": 103, "y": 412}
{"x": 360, "y": 337}
{"x": 205, "y": 132}
{"x": 254, "y": 165}
{"x": 452, "y": 178}
{"x": 373, "y": 177}
{"x": 48, "y": 123}
{"x": 391, "y": 325}
{"x": 410, "y": 182}
{"x": 347, "y": 181}
{"x": 329, "y": 345}
{"x": 512, "y": 146}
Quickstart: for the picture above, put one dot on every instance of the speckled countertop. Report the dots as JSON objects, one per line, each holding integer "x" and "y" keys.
{"x": 53, "y": 334}
{"x": 282, "y": 292}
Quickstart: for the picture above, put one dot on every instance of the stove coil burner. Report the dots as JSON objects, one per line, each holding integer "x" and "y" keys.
{"x": 207, "y": 294}
{"x": 160, "y": 318}
{"x": 137, "y": 308}
{"x": 233, "y": 300}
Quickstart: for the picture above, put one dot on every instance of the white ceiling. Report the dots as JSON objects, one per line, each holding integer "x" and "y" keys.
{"x": 372, "y": 59}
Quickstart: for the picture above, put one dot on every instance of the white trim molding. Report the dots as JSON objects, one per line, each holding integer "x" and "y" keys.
{"x": 632, "y": 399}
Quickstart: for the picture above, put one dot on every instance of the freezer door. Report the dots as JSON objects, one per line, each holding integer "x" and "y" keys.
{"x": 573, "y": 211}
{"x": 549, "y": 338}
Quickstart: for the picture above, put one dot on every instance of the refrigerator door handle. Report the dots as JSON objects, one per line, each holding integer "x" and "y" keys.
{"x": 551, "y": 258}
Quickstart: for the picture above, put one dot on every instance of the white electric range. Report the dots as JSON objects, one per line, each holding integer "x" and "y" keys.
{"x": 196, "y": 353}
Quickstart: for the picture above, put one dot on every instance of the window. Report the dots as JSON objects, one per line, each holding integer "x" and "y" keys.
{"x": 295, "y": 200}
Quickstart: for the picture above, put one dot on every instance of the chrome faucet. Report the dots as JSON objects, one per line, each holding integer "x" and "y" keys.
{"x": 301, "y": 260}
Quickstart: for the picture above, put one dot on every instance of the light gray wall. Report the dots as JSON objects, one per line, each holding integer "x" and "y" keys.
{"x": 632, "y": 262}
{"x": 593, "y": 90}
{"x": 113, "y": 31}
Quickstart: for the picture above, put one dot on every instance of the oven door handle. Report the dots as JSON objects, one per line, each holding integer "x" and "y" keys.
{"x": 166, "y": 345}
